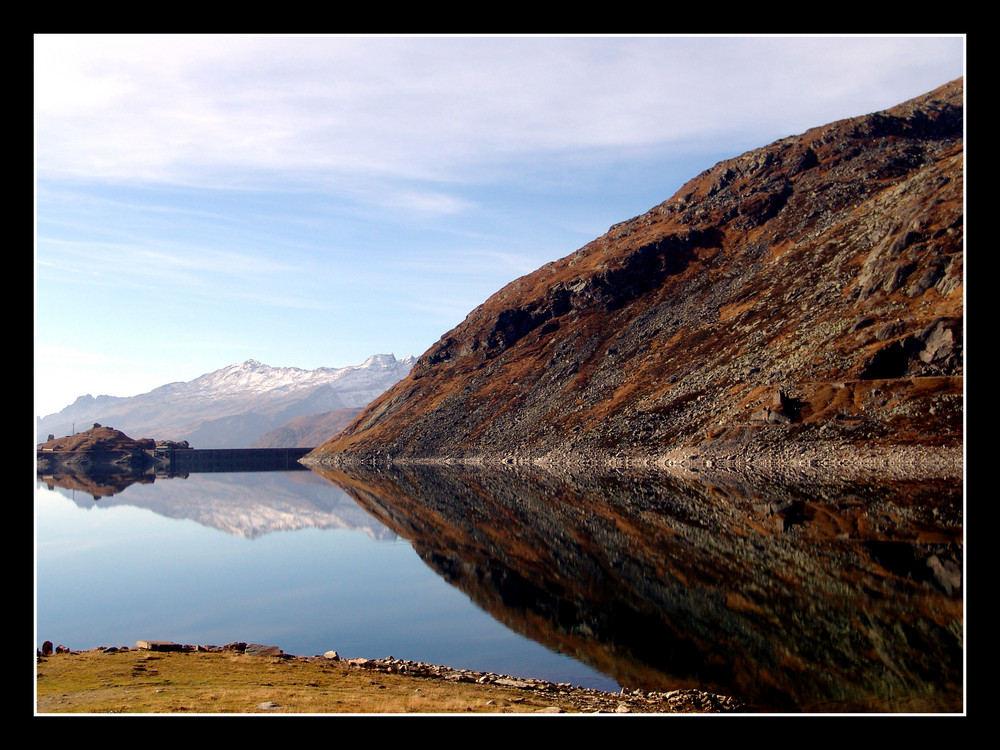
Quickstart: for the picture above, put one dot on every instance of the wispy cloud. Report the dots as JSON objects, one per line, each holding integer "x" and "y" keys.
{"x": 160, "y": 264}
{"x": 232, "y": 109}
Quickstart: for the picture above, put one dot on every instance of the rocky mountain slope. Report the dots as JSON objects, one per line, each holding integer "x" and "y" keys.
{"x": 234, "y": 406}
{"x": 806, "y": 296}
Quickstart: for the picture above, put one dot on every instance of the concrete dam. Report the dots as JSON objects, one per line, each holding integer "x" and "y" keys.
{"x": 190, "y": 461}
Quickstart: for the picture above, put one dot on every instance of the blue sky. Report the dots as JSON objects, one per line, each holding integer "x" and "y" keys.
{"x": 308, "y": 201}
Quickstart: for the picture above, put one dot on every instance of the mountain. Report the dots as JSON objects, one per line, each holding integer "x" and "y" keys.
{"x": 308, "y": 430}
{"x": 232, "y": 407}
{"x": 804, "y": 300}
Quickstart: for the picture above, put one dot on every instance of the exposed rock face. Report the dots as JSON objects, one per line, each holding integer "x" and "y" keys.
{"x": 806, "y": 293}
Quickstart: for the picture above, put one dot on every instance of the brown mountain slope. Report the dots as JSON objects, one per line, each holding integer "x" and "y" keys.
{"x": 309, "y": 430}
{"x": 807, "y": 293}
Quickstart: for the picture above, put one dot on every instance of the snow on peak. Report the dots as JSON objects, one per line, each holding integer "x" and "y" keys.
{"x": 380, "y": 360}
{"x": 252, "y": 376}
{"x": 240, "y": 389}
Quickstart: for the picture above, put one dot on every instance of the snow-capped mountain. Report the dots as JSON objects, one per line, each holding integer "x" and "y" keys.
{"x": 250, "y": 377}
{"x": 231, "y": 407}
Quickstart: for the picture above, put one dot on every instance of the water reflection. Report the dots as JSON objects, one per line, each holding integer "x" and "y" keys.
{"x": 243, "y": 504}
{"x": 801, "y": 597}
{"x": 805, "y": 596}
{"x": 282, "y": 558}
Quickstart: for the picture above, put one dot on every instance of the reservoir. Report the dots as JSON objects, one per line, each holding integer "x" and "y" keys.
{"x": 279, "y": 558}
{"x": 810, "y": 597}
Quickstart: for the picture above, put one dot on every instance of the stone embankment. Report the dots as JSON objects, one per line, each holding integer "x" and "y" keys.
{"x": 583, "y": 699}
{"x": 788, "y": 461}
{"x": 586, "y": 699}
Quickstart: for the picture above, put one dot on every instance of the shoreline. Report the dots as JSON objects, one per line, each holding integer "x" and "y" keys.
{"x": 795, "y": 461}
{"x": 479, "y": 692}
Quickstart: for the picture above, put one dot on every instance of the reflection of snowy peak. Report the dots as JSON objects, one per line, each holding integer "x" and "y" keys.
{"x": 247, "y": 504}
{"x": 232, "y": 407}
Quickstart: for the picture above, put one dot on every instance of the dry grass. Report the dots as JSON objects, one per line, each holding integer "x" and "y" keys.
{"x": 141, "y": 682}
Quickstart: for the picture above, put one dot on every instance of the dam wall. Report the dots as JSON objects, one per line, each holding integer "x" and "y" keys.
{"x": 230, "y": 459}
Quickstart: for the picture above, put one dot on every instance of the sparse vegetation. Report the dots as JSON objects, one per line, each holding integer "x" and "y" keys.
{"x": 134, "y": 681}
{"x": 224, "y": 682}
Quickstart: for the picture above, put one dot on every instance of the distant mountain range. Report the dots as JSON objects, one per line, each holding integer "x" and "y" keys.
{"x": 236, "y": 406}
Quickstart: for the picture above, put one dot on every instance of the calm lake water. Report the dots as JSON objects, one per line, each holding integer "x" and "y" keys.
{"x": 814, "y": 597}
{"x": 279, "y": 558}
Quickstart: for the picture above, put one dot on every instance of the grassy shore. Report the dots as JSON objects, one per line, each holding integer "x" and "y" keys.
{"x": 225, "y": 682}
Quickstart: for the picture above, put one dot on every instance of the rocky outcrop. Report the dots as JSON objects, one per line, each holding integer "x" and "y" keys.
{"x": 99, "y": 447}
{"x": 806, "y": 293}
{"x": 97, "y": 438}
{"x": 102, "y": 461}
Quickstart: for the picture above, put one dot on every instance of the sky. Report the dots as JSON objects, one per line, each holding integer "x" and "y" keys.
{"x": 308, "y": 201}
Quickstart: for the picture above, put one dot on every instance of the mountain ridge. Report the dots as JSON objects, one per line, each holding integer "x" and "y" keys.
{"x": 235, "y": 405}
{"x": 804, "y": 295}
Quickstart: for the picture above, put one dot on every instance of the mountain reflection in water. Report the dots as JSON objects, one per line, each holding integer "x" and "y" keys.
{"x": 242, "y": 504}
{"x": 808, "y": 597}
{"x": 813, "y": 596}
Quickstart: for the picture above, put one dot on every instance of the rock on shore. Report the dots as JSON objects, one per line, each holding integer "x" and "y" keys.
{"x": 581, "y": 699}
